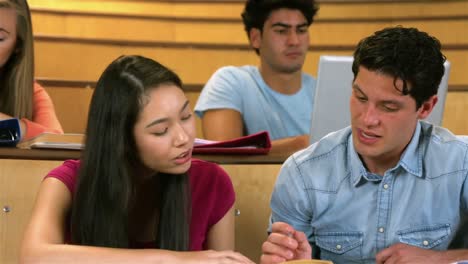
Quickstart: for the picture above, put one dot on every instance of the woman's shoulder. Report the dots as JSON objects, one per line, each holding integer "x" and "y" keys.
{"x": 198, "y": 163}
{"x": 208, "y": 172}
{"x": 68, "y": 167}
{"x": 66, "y": 173}
{"x": 37, "y": 88}
{"x": 40, "y": 92}
{"x": 205, "y": 167}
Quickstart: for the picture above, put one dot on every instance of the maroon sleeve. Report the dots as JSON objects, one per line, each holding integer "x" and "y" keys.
{"x": 66, "y": 173}
{"x": 224, "y": 196}
{"x": 212, "y": 197}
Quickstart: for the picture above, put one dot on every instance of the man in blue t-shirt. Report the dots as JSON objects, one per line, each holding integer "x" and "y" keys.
{"x": 276, "y": 96}
{"x": 388, "y": 189}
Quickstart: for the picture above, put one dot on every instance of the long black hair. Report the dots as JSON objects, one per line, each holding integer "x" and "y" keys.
{"x": 106, "y": 185}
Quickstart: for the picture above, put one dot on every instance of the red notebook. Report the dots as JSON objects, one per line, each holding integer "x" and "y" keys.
{"x": 258, "y": 143}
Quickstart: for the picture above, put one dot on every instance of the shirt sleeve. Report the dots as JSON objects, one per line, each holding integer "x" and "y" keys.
{"x": 224, "y": 196}
{"x": 289, "y": 200}
{"x": 222, "y": 91}
{"x": 66, "y": 173}
{"x": 44, "y": 117}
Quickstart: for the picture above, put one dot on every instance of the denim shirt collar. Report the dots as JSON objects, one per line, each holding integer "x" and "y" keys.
{"x": 411, "y": 160}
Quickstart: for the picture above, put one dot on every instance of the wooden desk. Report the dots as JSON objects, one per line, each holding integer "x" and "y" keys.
{"x": 21, "y": 172}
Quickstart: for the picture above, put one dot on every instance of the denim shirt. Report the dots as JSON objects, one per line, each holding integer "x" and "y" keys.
{"x": 350, "y": 214}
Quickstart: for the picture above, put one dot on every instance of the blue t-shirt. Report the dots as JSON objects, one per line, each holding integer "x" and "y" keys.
{"x": 243, "y": 89}
{"x": 351, "y": 214}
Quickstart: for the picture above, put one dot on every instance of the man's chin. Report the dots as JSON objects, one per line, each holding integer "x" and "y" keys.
{"x": 291, "y": 69}
{"x": 366, "y": 150}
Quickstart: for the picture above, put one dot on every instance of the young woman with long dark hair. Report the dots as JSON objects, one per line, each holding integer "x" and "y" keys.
{"x": 136, "y": 195}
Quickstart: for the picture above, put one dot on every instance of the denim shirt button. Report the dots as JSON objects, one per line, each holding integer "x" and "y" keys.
{"x": 425, "y": 242}
{"x": 381, "y": 230}
{"x": 338, "y": 247}
{"x": 385, "y": 186}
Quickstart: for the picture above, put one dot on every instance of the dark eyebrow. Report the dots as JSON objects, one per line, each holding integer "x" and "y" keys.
{"x": 281, "y": 24}
{"x": 162, "y": 120}
{"x": 391, "y": 102}
{"x": 384, "y": 102}
{"x": 356, "y": 87}
{"x": 184, "y": 106}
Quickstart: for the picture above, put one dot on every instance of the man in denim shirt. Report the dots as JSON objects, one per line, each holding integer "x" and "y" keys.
{"x": 388, "y": 189}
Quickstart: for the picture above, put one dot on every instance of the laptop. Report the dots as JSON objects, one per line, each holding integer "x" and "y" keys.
{"x": 332, "y": 92}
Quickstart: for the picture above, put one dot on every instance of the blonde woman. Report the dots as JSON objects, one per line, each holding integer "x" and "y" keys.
{"x": 20, "y": 96}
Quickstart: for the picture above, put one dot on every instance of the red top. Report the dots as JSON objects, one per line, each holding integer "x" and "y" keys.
{"x": 44, "y": 117}
{"x": 212, "y": 195}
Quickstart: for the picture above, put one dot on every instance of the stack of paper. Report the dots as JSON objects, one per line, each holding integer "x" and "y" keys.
{"x": 55, "y": 141}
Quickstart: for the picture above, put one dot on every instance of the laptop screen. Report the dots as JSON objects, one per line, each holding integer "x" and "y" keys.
{"x": 332, "y": 92}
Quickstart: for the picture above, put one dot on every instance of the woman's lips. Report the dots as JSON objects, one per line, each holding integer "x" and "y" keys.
{"x": 183, "y": 158}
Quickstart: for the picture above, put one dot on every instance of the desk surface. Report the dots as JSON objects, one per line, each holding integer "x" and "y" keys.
{"x": 53, "y": 154}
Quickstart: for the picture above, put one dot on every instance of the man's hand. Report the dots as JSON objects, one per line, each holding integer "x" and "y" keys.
{"x": 284, "y": 243}
{"x": 402, "y": 253}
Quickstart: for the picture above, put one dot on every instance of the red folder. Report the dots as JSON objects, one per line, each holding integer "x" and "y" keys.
{"x": 258, "y": 143}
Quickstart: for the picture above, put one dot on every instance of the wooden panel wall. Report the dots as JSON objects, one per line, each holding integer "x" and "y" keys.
{"x": 323, "y": 32}
{"x": 224, "y": 41}
{"x": 18, "y": 188}
{"x": 346, "y": 9}
{"x": 71, "y": 105}
{"x": 90, "y": 58}
{"x": 184, "y": 34}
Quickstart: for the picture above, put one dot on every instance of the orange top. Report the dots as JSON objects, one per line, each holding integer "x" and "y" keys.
{"x": 44, "y": 117}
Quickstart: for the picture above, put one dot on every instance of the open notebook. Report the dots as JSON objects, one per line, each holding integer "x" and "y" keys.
{"x": 331, "y": 100}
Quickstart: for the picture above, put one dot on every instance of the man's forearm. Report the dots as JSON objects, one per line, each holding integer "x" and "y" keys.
{"x": 289, "y": 145}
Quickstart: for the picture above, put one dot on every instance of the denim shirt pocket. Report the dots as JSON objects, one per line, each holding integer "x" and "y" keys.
{"x": 426, "y": 237}
{"x": 344, "y": 244}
